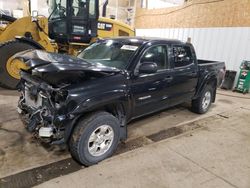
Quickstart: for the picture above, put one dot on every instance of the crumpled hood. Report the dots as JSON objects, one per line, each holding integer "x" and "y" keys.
{"x": 42, "y": 61}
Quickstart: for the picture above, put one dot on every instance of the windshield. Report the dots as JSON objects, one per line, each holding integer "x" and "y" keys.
{"x": 110, "y": 53}
{"x": 57, "y": 9}
{"x": 79, "y": 8}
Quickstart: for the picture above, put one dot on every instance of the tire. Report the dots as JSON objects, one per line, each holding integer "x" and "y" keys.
{"x": 7, "y": 50}
{"x": 201, "y": 105}
{"x": 81, "y": 145}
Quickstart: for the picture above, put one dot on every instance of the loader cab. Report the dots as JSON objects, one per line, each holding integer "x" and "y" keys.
{"x": 73, "y": 21}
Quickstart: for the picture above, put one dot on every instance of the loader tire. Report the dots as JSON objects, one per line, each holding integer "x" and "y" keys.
{"x": 7, "y": 50}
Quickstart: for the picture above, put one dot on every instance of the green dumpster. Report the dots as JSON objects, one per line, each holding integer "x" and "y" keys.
{"x": 243, "y": 83}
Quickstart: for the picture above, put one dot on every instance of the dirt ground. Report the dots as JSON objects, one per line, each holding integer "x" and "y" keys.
{"x": 20, "y": 153}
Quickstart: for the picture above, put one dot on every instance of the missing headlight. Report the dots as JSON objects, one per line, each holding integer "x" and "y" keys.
{"x": 61, "y": 96}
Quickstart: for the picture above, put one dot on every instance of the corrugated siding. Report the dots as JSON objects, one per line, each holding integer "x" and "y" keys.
{"x": 228, "y": 44}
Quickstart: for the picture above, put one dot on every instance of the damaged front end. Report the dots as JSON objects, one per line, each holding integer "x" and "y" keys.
{"x": 42, "y": 109}
{"x": 45, "y": 104}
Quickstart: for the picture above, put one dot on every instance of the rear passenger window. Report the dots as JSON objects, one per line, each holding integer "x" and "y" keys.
{"x": 182, "y": 56}
{"x": 158, "y": 55}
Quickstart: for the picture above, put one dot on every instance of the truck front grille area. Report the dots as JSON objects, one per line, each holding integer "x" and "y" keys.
{"x": 41, "y": 114}
{"x": 34, "y": 108}
{"x": 39, "y": 117}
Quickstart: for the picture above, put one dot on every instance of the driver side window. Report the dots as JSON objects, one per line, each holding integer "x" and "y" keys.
{"x": 57, "y": 9}
{"x": 158, "y": 55}
{"x": 79, "y": 8}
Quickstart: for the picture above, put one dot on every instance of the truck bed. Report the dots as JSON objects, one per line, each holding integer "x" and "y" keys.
{"x": 210, "y": 65}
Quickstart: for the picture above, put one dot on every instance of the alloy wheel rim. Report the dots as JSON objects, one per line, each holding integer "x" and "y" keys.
{"x": 100, "y": 140}
{"x": 206, "y": 100}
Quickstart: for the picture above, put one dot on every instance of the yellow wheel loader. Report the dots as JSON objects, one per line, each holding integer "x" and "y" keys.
{"x": 71, "y": 26}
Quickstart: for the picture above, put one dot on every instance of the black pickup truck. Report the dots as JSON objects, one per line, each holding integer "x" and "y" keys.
{"x": 87, "y": 101}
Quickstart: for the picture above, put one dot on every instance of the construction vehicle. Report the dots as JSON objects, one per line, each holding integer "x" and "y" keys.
{"x": 71, "y": 26}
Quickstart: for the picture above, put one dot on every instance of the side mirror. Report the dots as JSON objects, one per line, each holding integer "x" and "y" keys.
{"x": 148, "y": 68}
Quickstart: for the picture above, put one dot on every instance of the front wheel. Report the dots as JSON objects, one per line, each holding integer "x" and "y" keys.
{"x": 202, "y": 104}
{"x": 94, "y": 138}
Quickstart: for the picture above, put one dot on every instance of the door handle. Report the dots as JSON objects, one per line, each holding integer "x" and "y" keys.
{"x": 193, "y": 73}
{"x": 168, "y": 78}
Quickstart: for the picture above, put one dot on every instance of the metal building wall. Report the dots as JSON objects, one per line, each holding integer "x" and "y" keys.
{"x": 228, "y": 44}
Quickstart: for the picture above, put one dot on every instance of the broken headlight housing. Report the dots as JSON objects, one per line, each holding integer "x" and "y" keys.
{"x": 60, "y": 96}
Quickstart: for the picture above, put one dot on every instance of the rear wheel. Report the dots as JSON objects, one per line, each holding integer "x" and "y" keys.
{"x": 94, "y": 138}
{"x": 9, "y": 67}
{"x": 202, "y": 104}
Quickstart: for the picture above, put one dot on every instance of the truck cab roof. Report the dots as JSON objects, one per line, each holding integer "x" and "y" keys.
{"x": 142, "y": 40}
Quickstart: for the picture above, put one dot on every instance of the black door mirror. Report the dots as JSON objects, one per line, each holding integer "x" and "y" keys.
{"x": 148, "y": 68}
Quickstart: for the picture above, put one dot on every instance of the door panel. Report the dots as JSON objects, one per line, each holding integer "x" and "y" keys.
{"x": 185, "y": 76}
{"x": 149, "y": 92}
{"x": 183, "y": 85}
{"x": 149, "y": 89}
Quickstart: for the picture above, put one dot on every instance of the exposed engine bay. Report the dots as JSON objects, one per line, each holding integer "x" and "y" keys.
{"x": 40, "y": 108}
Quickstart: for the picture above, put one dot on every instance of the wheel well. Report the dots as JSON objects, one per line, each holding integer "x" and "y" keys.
{"x": 116, "y": 109}
{"x": 213, "y": 82}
